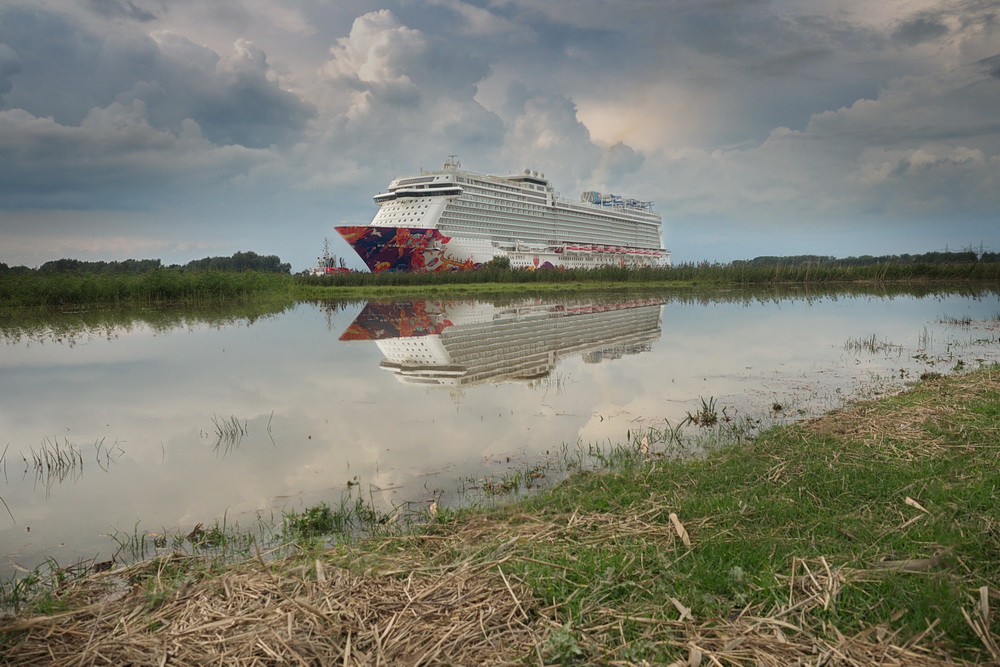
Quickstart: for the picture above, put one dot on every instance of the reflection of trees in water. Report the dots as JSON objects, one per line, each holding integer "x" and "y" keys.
{"x": 809, "y": 293}
{"x": 707, "y": 295}
{"x": 70, "y": 327}
{"x": 333, "y": 306}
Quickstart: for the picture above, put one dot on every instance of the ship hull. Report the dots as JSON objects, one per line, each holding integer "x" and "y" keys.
{"x": 406, "y": 249}
{"x": 421, "y": 250}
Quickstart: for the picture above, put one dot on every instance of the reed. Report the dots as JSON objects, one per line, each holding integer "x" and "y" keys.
{"x": 695, "y": 273}
{"x": 53, "y": 462}
{"x": 872, "y": 345}
{"x": 157, "y": 286}
{"x": 229, "y": 432}
{"x": 168, "y": 285}
{"x": 963, "y": 322}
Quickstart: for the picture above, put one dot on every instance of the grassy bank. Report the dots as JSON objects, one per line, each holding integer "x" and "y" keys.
{"x": 175, "y": 286}
{"x": 683, "y": 274}
{"x": 153, "y": 287}
{"x": 869, "y": 536}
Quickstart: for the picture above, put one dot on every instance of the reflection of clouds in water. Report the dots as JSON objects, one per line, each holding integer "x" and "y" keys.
{"x": 335, "y": 414}
{"x": 791, "y": 353}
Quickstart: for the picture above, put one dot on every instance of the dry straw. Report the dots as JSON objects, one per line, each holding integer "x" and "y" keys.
{"x": 431, "y": 612}
{"x": 262, "y": 614}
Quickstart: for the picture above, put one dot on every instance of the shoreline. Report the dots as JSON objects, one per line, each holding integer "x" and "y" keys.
{"x": 869, "y": 531}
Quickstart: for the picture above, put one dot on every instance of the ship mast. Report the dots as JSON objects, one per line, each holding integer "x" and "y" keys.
{"x": 452, "y": 164}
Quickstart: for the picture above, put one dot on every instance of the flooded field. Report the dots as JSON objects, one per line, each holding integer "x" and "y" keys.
{"x": 148, "y": 423}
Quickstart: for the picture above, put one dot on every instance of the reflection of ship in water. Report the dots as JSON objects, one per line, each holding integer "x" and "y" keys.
{"x": 456, "y": 344}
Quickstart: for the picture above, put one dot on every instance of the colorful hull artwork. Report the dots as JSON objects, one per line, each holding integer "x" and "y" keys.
{"x": 378, "y": 321}
{"x": 403, "y": 249}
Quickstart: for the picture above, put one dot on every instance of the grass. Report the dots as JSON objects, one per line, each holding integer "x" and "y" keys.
{"x": 62, "y": 290}
{"x": 872, "y": 346}
{"x": 870, "y": 535}
{"x": 703, "y": 273}
{"x": 157, "y": 286}
{"x": 229, "y": 432}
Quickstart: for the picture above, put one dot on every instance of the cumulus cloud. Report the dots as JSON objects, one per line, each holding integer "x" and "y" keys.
{"x": 924, "y": 147}
{"x": 66, "y": 70}
{"x": 376, "y": 61}
{"x": 119, "y": 119}
{"x": 397, "y": 96}
{"x": 114, "y": 152}
{"x": 547, "y": 134}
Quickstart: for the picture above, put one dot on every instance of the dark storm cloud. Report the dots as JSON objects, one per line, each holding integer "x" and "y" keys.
{"x": 732, "y": 30}
{"x": 113, "y": 157}
{"x": 991, "y": 65}
{"x": 792, "y": 62}
{"x": 923, "y": 28}
{"x": 123, "y": 119}
{"x": 9, "y": 66}
{"x": 67, "y": 71}
{"x": 116, "y": 9}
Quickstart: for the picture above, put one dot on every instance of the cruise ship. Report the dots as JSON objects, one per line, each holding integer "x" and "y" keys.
{"x": 455, "y": 344}
{"x": 451, "y": 219}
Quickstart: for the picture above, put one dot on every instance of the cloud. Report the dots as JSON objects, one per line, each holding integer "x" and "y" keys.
{"x": 922, "y": 28}
{"x": 934, "y": 179}
{"x": 925, "y": 147}
{"x": 114, "y": 152}
{"x": 547, "y": 134}
{"x": 10, "y": 65}
{"x": 398, "y": 96}
{"x": 116, "y": 9}
{"x": 67, "y": 70}
{"x": 121, "y": 120}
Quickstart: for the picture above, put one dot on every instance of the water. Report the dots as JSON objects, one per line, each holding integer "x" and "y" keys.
{"x": 172, "y": 418}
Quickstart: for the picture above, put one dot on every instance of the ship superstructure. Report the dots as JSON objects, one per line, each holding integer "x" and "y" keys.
{"x": 453, "y": 219}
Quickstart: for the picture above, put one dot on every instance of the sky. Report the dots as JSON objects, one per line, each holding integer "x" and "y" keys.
{"x": 181, "y": 129}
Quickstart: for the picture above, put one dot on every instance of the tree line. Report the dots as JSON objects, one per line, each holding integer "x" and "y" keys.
{"x": 938, "y": 257}
{"x": 251, "y": 261}
{"x": 238, "y": 262}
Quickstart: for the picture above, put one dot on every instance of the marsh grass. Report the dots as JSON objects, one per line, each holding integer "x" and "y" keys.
{"x": 742, "y": 274}
{"x": 162, "y": 285}
{"x": 229, "y": 432}
{"x": 868, "y": 536}
{"x": 964, "y": 322}
{"x": 54, "y": 462}
{"x": 157, "y": 286}
{"x": 872, "y": 345}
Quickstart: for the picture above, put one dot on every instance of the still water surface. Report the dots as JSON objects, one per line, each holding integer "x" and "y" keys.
{"x": 410, "y": 400}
